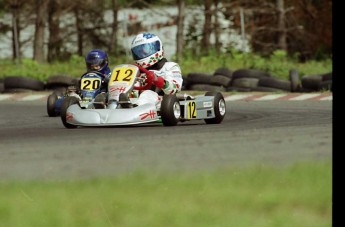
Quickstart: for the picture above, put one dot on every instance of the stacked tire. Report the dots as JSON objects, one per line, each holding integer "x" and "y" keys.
{"x": 15, "y": 84}
{"x": 19, "y": 84}
{"x": 246, "y": 80}
{"x": 60, "y": 82}
{"x": 317, "y": 82}
{"x": 201, "y": 82}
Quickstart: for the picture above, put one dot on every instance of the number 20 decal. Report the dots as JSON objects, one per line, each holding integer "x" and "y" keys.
{"x": 191, "y": 110}
{"x": 90, "y": 84}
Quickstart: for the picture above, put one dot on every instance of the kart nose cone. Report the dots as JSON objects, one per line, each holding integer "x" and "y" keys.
{"x": 100, "y": 117}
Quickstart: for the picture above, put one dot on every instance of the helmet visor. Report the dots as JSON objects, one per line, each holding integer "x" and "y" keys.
{"x": 94, "y": 67}
{"x": 145, "y": 50}
{"x": 95, "y": 64}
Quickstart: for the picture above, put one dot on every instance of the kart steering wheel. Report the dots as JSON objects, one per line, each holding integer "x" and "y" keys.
{"x": 95, "y": 72}
{"x": 149, "y": 79}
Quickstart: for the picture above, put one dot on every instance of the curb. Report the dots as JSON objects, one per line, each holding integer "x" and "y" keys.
{"x": 281, "y": 97}
{"x": 227, "y": 97}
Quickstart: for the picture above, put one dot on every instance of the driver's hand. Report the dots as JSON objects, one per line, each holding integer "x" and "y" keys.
{"x": 151, "y": 77}
{"x": 157, "y": 80}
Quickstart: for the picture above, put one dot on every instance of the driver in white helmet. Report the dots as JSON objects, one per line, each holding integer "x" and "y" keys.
{"x": 147, "y": 51}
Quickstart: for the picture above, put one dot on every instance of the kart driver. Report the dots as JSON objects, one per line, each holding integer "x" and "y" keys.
{"x": 97, "y": 60}
{"x": 147, "y": 51}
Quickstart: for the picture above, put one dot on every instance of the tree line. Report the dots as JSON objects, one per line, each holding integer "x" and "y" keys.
{"x": 302, "y": 27}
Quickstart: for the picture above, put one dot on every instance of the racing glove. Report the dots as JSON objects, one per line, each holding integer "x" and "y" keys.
{"x": 151, "y": 77}
{"x": 158, "y": 81}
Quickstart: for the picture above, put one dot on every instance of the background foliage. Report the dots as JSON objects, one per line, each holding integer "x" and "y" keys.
{"x": 278, "y": 64}
{"x": 306, "y": 29}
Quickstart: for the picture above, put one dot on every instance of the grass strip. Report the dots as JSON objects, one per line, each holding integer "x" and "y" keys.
{"x": 294, "y": 195}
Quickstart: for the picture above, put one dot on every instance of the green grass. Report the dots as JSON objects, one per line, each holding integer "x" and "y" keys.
{"x": 295, "y": 195}
{"x": 278, "y": 65}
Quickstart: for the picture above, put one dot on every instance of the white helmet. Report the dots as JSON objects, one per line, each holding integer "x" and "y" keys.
{"x": 147, "y": 49}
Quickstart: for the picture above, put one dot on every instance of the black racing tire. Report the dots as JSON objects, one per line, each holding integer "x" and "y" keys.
{"x": 170, "y": 110}
{"x": 224, "y": 71}
{"x": 326, "y": 85}
{"x": 311, "y": 82}
{"x": 2, "y": 87}
{"x": 250, "y": 73}
{"x": 52, "y": 98}
{"x": 275, "y": 83}
{"x": 219, "y": 108}
{"x": 60, "y": 81}
{"x": 51, "y": 104}
{"x": 220, "y": 80}
{"x": 267, "y": 89}
{"x": 245, "y": 82}
{"x": 327, "y": 76}
{"x": 206, "y": 87}
{"x": 15, "y": 82}
{"x": 67, "y": 102}
{"x": 238, "y": 89}
{"x": 198, "y": 78}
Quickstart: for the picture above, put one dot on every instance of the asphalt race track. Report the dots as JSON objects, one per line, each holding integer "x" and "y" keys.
{"x": 35, "y": 146}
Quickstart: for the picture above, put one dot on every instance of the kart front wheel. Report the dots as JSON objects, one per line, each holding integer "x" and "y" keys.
{"x": 67, "y": 102}
{"x": 219, "y": 108}
{"x": 51, "y": 105}
{"x": 170, "y": 110}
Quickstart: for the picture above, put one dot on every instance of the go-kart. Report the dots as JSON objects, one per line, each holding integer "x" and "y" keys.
{"x": 90, "y": 87}
{"x": 119, "y": 107}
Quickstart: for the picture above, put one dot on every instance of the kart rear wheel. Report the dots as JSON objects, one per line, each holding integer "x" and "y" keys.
{"x": 219, "y": 108}
{"x": 51, "y": 105}
{"x": 67, "y": 102}
{"x": 170, "y": 110}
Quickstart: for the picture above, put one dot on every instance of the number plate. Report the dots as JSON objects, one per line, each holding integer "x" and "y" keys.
{"x": 123, "y": 74}
{"x": 90, "y": 83}
{"x": 191, "y": 110}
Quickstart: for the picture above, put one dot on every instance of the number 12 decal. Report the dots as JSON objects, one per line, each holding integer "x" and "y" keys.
{"x": 191, "y": 110}
{"x": 123, "y": 74}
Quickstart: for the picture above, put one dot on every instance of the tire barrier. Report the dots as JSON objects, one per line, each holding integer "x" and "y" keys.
{"x": 2, "y": 86}
{"x": 20, "y": 84}
{"x": 60, "y": 81}
{"x": 317, "y": 82}
{"x": 14, "y": 84}
{"x": 247, "y": 80}
{"x": 223, "y": 79}
{"x": 223, "y": 71}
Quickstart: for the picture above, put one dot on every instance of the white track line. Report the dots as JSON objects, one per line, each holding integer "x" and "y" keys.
{"x": 304, "y": 97}
{"x": 4, "y": 97}
{"x": 237, "y": 97}
{"x": 270, "y": 97}
{"x": 327, "y": 98}
{"x": 32, "y": 97}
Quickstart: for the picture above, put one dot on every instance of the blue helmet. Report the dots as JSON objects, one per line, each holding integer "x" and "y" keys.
{"x": 97, "y": 60}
